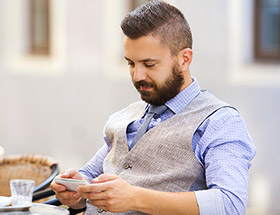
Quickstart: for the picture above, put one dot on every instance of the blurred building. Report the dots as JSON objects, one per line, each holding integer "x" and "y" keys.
{"x": 62, "y": 73}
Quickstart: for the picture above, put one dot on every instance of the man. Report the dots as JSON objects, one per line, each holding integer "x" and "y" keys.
{"x": 196, "y": 154}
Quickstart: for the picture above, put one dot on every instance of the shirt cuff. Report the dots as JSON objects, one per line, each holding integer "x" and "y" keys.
{"x": 210, "y": 202}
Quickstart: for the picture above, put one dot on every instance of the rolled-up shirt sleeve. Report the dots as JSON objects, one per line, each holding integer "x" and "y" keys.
{"x": 210, "y": 202}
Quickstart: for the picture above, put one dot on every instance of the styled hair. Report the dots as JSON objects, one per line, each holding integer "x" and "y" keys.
{"x": 161, "y": 20}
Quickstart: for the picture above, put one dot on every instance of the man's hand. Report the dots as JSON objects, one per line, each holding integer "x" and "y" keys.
{"x": 110, "y": 193}
{"x": 64, "y": 196}
{"x": 114, "y": 194}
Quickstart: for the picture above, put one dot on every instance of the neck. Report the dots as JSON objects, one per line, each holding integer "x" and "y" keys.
{"x": 187, "y": 82}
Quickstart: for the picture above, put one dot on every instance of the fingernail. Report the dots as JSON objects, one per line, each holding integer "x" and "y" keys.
{"x": 95, "y": 180}
{"x": 76, "y": 196}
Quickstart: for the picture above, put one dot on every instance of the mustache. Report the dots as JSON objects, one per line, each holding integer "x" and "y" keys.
{"x": 142, "y": 83}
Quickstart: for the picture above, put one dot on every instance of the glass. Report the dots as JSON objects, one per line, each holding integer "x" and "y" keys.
{"x": 21, "y": 191}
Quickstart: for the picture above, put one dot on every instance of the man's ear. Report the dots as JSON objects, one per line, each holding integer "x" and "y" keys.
{"x": 185, "y": 58}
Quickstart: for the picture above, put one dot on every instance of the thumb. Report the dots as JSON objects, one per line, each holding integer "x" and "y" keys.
{"x": 104, "y": 178}
{"x": 71, "y": 173}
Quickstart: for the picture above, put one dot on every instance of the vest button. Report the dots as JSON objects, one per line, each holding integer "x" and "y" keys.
{"x": 126, "y": 166}
{"x": 99, "y": 210}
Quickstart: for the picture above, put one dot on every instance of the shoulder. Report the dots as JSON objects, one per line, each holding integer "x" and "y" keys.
{"x": 226, "y": 122}
{"x": 224, "y": 125}
{"x": 222, "y": 111}
{"x": 226, "y": 115}
{"x": 224, "y": 129}
{"x": 206, "y": 100}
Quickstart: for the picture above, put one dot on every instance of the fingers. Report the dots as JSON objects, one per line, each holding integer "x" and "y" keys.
{"x": 97, "y": 187}
{"x": 64, "y": 196}
{"x": 108, "y": 192}
{"x": 87, "y": 191}
{"x": 57, "y": 187}
{"x": 102, "y": 204}
{"x": 104, "y": 178}
{"x": 101, "y": 199}
{"x": 97, "y": 191}
{"x": 71, "y": 173}
{"x": 68, "y": 198}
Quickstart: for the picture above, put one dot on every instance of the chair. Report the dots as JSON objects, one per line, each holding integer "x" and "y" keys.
{"x": 39, "y": 168}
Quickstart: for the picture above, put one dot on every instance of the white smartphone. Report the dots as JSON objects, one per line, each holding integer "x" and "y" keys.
{"x": 70, "y": 184}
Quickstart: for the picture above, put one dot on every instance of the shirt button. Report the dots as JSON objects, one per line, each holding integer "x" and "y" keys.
{"x": 126, "y": 166}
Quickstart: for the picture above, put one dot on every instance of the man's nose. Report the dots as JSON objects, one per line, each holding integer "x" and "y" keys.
{"x": 139, "y": 73}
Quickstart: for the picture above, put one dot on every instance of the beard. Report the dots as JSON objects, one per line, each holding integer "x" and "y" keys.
{"x": 162, "y": 93}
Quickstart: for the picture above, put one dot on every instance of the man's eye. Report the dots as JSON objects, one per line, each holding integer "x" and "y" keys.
{"x": 149, "y": 65}
{"x": 130, "y": 63}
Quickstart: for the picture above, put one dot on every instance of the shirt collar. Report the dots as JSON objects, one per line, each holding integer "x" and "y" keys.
{"x": 182, "y": 99}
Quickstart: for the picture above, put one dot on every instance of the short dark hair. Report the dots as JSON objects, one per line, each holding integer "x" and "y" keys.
{"x": 162, "y": 20}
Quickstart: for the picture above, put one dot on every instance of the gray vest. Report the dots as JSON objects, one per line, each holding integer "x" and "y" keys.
{"x": 163, "y": 159}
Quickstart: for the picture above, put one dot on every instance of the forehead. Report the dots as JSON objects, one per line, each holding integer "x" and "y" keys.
{"x": 145, "y": 47}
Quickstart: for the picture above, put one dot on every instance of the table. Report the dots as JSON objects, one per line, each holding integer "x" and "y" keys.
{"x": 38, "y": 209}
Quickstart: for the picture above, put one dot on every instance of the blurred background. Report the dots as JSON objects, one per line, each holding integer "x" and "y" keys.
{"x": 62, "y": 73}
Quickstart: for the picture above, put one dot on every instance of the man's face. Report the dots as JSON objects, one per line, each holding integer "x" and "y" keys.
{"x": 154, "y": 72}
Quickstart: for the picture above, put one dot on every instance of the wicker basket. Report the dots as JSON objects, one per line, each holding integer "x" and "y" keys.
{"x": 34, "y": 167}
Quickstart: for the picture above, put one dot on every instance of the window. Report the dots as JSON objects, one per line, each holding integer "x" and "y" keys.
{"x": 47, "y": 55}
{"x": 267, "y": 29}
{"x": 39, "y": 27}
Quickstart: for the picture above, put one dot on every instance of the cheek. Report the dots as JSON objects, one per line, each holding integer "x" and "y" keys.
{"x": 160, "y": 76}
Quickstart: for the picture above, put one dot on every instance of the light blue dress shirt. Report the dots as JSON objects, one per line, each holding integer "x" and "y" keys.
{"x": 221, "y": 144}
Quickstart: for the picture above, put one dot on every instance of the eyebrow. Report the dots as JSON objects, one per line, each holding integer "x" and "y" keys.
{"x": 144, "y": 60}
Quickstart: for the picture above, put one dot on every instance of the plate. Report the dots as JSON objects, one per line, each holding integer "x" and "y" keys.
{"x": 5, "y": 201}
{"x": 15, "y": 208}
